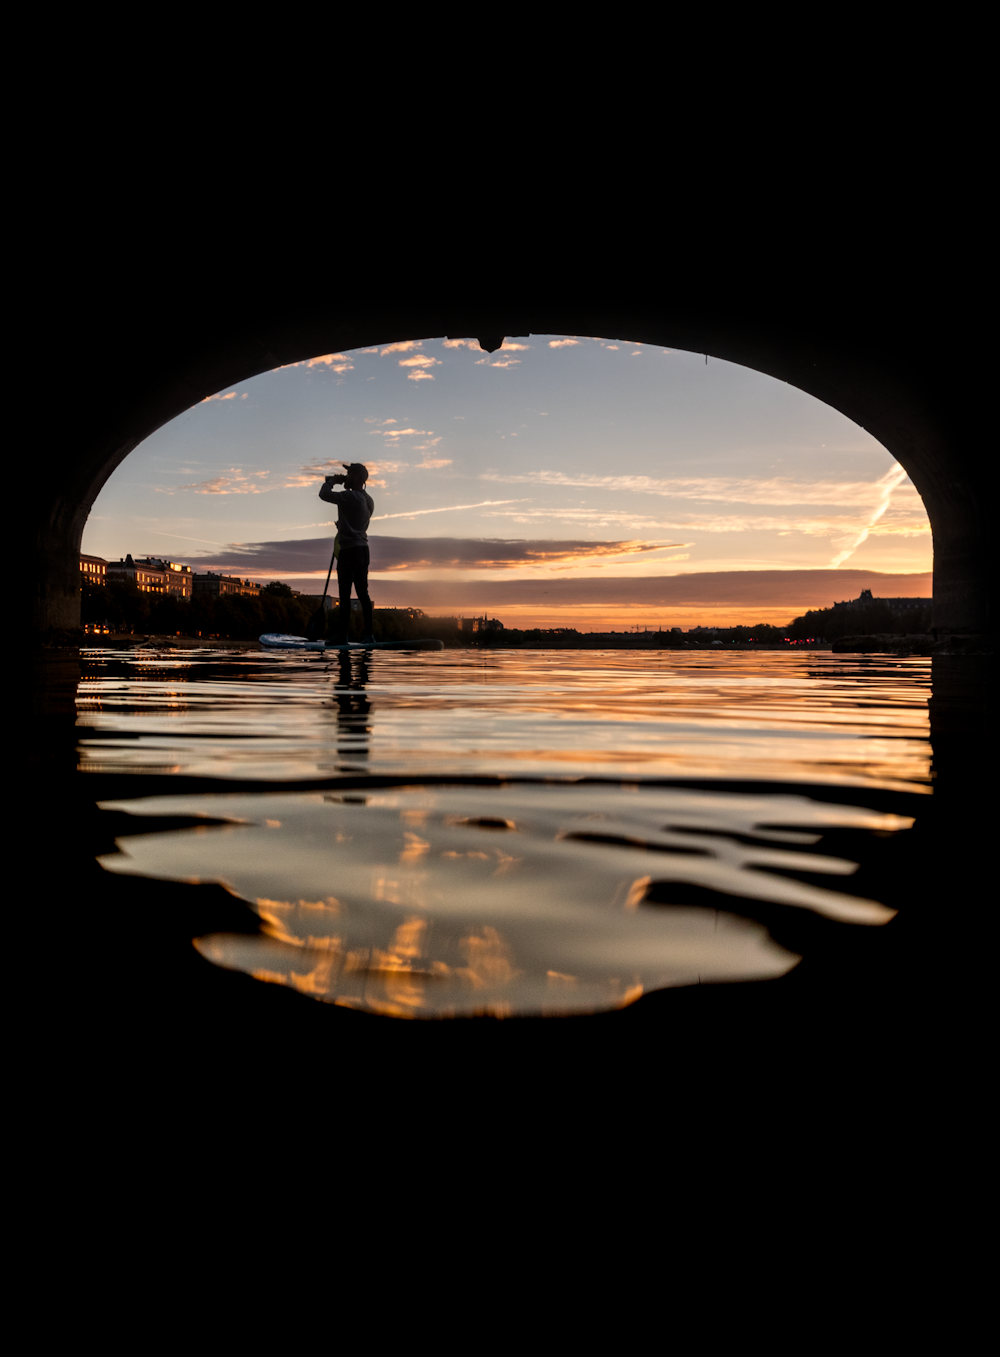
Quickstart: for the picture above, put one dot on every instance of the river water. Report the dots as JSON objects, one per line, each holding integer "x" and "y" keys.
{"x": 490, "y": 832}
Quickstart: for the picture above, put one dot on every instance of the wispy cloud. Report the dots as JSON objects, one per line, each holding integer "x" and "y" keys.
{"x": 562, "y": 343}
{"x": 403, "y": 346}
{"x": 432, "y": 463}
{"x": 591, "y": 517}
{"x": 734, "y": 490}
{"x": 828, "y": 525}
{"x": 338, "y": 362}
{"x": 483, "y": 553}
{"x": 235, "y": 481}
{"x": 227, "y": 396}
{"x": 450, "y": 508}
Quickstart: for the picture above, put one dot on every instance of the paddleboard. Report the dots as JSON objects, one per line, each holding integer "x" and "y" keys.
{"x": 275, "y": 641}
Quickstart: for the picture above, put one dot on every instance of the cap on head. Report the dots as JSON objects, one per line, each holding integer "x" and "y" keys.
{"x": 356, "y": 470}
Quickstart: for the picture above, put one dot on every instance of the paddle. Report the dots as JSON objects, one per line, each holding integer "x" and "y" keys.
{"x": 318, "y": 621}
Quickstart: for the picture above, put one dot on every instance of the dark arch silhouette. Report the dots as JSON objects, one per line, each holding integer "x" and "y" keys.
{"x": 159, "y": 356}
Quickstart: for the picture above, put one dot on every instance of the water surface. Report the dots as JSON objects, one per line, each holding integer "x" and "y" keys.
{"x": 505, "y": 832}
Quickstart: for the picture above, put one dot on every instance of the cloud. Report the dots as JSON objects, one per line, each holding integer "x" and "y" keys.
{"x": 463, "y": 344}
{"x": 235, "y": 481}
{"x": 228, "y": 396}
{"x": 432, "y": 463}
{"x": 450, "y": 508}
{"x": 735, "y": 490}
{"x": 397, "y": 554}
{"x": 310, "y": 475}
{"x": 906, "y": 524}
{"x": 791, "y": 590}
{"x": 483, "y": 553}
{"x": 510, "y": 363}
{"x": 339, "y": 362}
{"x": 562, "y": 343}
{"x": 590, "y": 517}
{"x": 404, "y": 346}
{"x": 420, "y": 361}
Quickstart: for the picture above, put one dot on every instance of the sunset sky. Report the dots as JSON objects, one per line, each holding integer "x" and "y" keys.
{"x": 557, "y": 482}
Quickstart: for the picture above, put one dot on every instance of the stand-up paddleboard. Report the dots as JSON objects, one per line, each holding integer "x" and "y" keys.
{"x": 275, "y": 641}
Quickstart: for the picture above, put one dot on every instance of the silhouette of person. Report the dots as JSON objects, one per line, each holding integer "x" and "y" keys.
{"x": 354, "y": 510}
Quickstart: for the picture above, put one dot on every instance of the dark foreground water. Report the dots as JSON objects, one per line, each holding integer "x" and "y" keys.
{"x": 508, "y": 833}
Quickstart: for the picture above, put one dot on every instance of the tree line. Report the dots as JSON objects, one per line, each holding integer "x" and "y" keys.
{"x": 869, "y": 619}
{"x": 240, "y": 617}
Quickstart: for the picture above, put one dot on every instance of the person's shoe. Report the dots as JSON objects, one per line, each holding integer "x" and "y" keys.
{"x": 334, "y": 641}
{"x": 368, "y": 640}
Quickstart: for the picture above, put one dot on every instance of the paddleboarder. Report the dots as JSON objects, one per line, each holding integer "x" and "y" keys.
{"x": 354, "y": 510}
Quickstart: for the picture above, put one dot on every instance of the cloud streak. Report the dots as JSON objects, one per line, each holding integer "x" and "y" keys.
{"x": 234, "y": 481}
{"x": 449, "y": 508}
{"x": 730, "y": 489}
{"x": 392, "y": 554}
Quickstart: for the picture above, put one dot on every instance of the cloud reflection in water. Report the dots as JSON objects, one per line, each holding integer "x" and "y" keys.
{"x": 452, "y": 901}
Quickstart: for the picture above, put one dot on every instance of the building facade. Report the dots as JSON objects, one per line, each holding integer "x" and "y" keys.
{"x": 479, "y": 624}
{"x": 895, "y": 605}
{"x": 211, "y": 585}
{"x": 153, "y": 575}
{"x": 93, "y": 570}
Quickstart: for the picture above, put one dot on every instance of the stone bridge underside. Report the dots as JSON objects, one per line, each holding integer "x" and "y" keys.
{"x": 142, "y": 361}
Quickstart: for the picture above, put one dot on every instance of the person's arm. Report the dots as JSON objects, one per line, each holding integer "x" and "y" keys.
{"x": 327, "y": 491}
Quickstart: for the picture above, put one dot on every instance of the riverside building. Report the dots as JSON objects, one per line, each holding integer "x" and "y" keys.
{"x": 93, "y": 570}
{"x": 152, "y": 575}
{"x": 211, "y": 585}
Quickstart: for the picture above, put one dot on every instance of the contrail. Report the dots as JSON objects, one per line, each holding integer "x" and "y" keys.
{"x": 887, "y": 485}
{"x": 450, "y": 508}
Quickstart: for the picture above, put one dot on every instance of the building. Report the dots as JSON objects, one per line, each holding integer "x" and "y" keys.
{"x": 152, "y": 575}
{"x": 895, "y": 605}
{"x": 93, "y": 570}
{"x": 211, "y": 585}
{"x": 474, "y": 624}
{"x": 179, "y": 578}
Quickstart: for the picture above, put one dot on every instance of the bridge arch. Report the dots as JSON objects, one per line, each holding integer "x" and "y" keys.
{"x": 887, "y": 386}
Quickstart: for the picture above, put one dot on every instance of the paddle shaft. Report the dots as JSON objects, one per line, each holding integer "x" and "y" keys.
{"x": 320, "y": 614}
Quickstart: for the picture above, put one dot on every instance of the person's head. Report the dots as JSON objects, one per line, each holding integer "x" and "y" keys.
{"x": 357, "y": 475}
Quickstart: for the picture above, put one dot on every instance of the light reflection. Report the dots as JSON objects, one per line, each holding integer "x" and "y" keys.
{"x": 359, "y": 909}
{"x": 756, "y": 715}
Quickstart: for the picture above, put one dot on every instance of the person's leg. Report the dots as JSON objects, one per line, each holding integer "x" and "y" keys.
{"x": 361, "y": 585}
{"x": 345, "y": 578}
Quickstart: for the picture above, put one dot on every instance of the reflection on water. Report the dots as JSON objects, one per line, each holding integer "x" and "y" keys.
{"x": 753, "y": 715}
{"x": 541, "y": 893}
{"x": 514, "y": 899}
